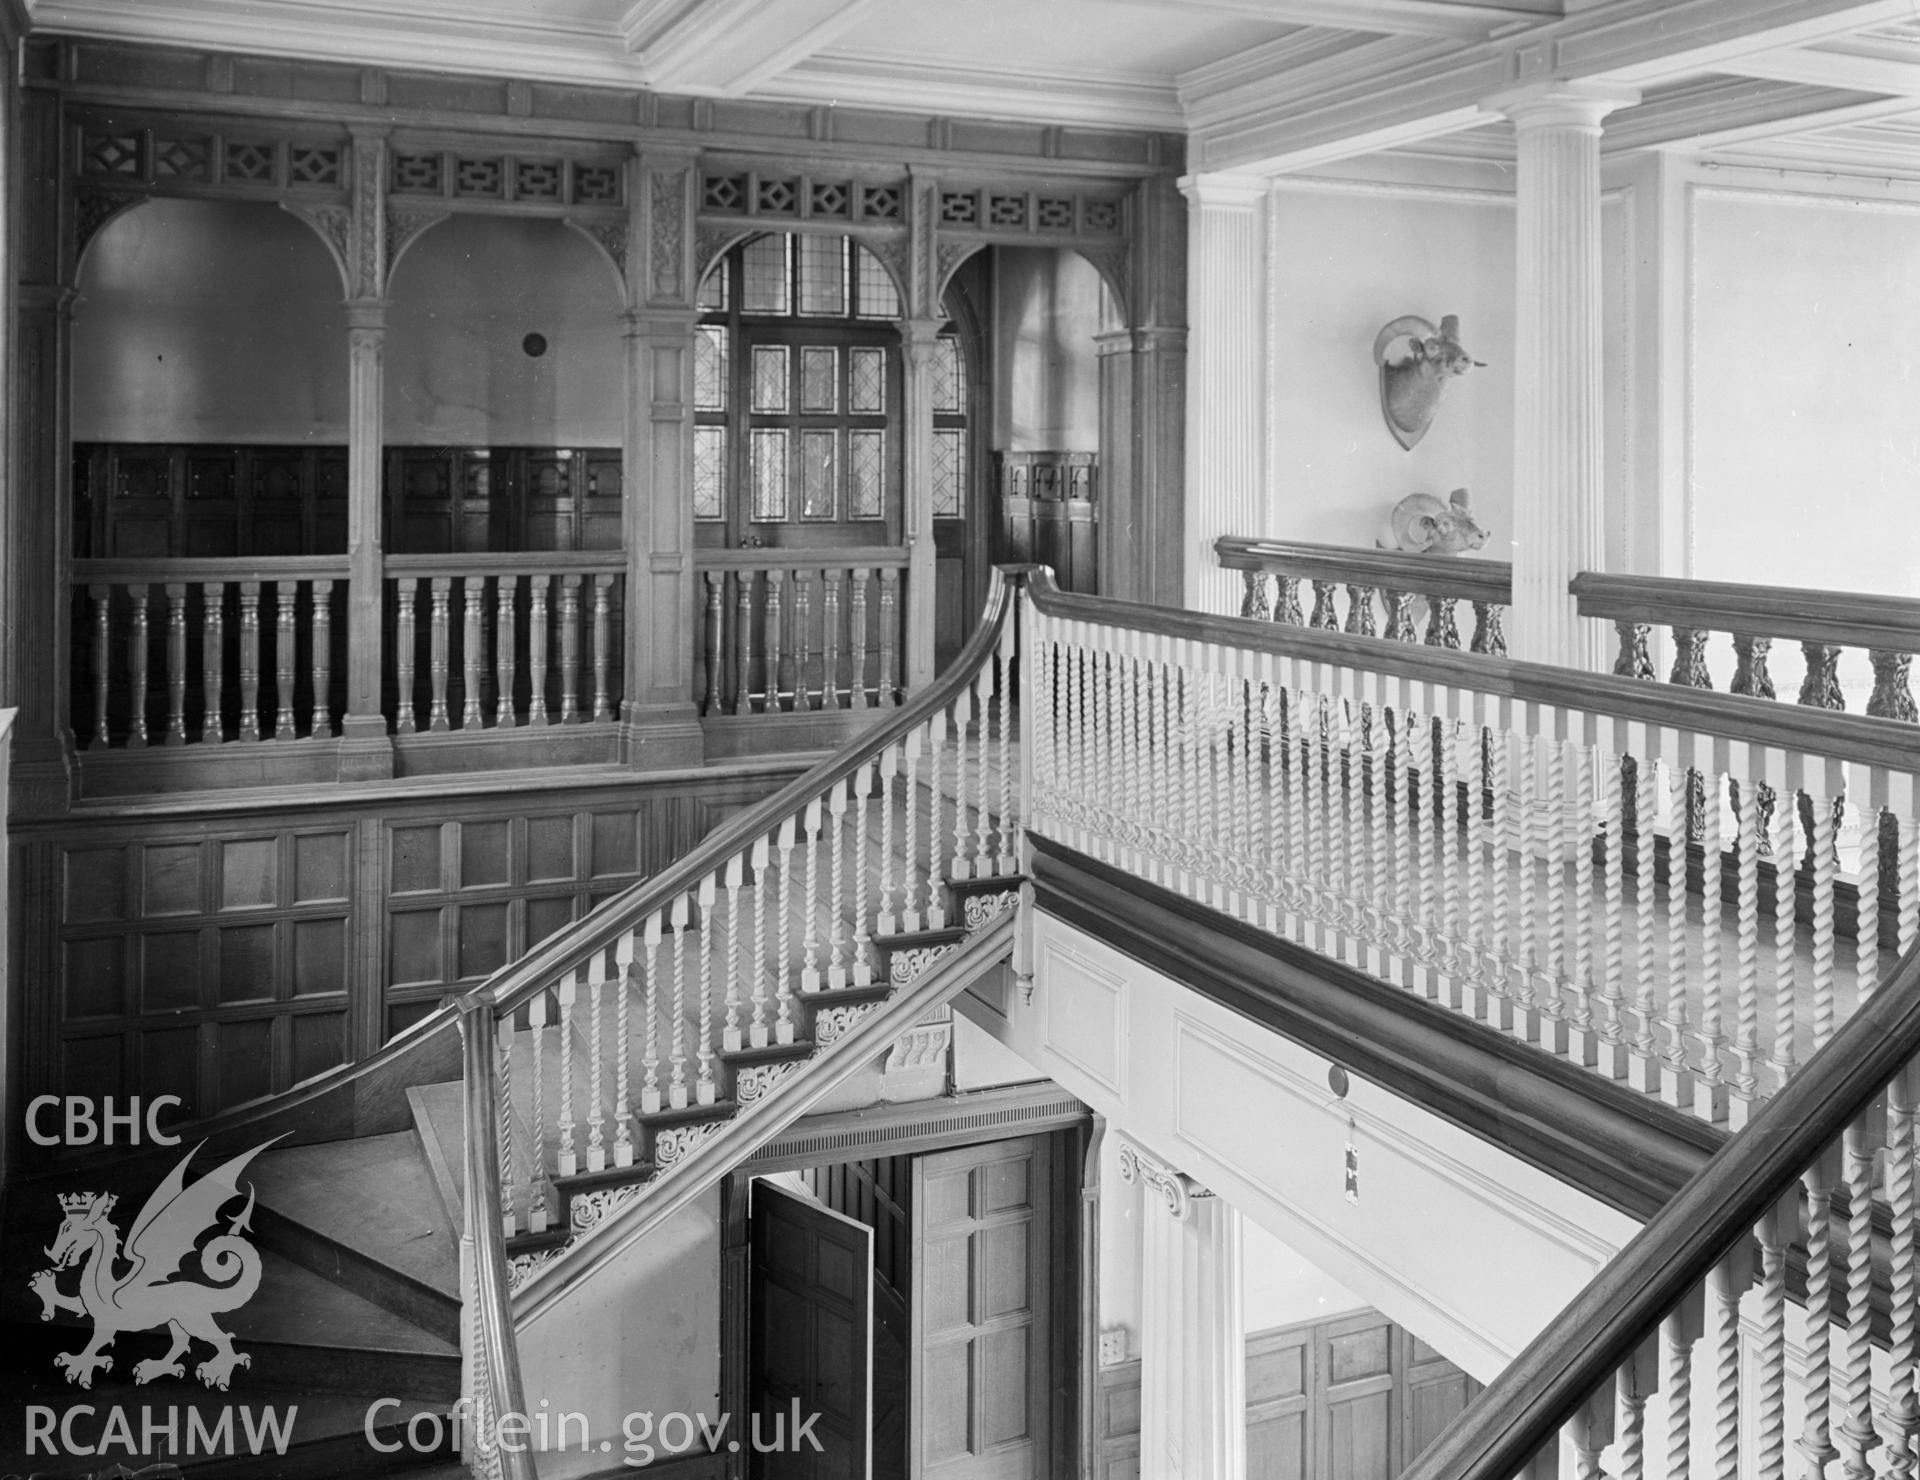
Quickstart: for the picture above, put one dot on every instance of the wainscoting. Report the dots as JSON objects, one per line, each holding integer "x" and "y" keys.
{"x": 1355, "y": 1398}
{"x": 223, "y": 955}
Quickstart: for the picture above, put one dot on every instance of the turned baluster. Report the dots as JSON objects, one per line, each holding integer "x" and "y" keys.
{"x": 857, "y": 640}
{"x": 1900, "y": 1414}
{"x": 137, "y": 650}
{"x": 706, "y": 674}
{"x": 536, "y": 1117}
{"x": 759, "y": 1032}
{"x": 1399, "y": 607}
{"x": 1644, "y": 1056}
{"x": 1634, "y": 1382}
{"x": 1786, "y": 828}
{"x": 249, "y": 728}
{"x": 1820, "y": 689}
{"x": 1489, "y": 636}
{"x": 862, "y": 933}
{"x": 677, "y": 1096}
{"x": 569, "y": 617}
{"x": 503, "y": 1120}
{"x": 1675, "y": 1077}
{"x": 1866, "y": 917}
{"x": 1616, "y": 1032}
{"x": 286, "y": 595}
{"x": 1856, "y": 1433}
{"x": 810, "y": 973}
{"x": 1773, "y": 1233}
{"x": 957, "y": 865}
{"x": 889, "y": 633}
{"x": 1253, "y": 596}
{"x": 650, "y": 934}
{"x": 1442, "y": 631}
{"x": 744, "y": 639}
{"x": 213, "y": 653}
{"x": 439, "y": 635}
{"x": 472, "y": 605}
{"x": 1006, "y": 862}
{"x": 322, "y": 722}
{"x": 1680, "y": 1328}
{"x": 936, "y": 729}
{"x": 805, "y": 652}
{"x": 537, "y": 649}
{"x": 1816, "y": 1437}
{"x": 837, "y": 885}
{"x": 983, "y": 863}
{"x": 1727, "y": 1281}
{"x": 596, "y": 1041}
{"x": 731, "y": 1037}
{"x": 1591, "y": 1430}
{"x": 704, "y": 1088}
{"x": 1520, "y": 835}
{"x": 101, "y": 600}
{"x": 1634, "y": 659}
{"x": 176, "y": 663}
{"x": 1288, "y": 611}
{"x": 1891, "y": 697}
{"x": 1710, "y": 1089}
{"x": 779, "y": 659}
{"x": 1825, "y": 871}
{"x": 832, "y": 580}
{"x": 783, "y": 949}
{"x": 406, "y": 593}
{"x": 1441, "y": 869}
{"x": 1360, "y": 610}
{"x": 505, "y": 668}
{"x": 1746, "y": 1033}
{"x": 602, "y": 651}
{"x": 1750, "y": 675}
{"x": 625, "y": 986}
{"x": 1907, "y": 883}
{"x": 564, "y": 993}
{"x": 1576, "y": 837}
{"x": 1324, "y": 617}
{"x": 891, "y": 903}
{"x": 910, "y": 816}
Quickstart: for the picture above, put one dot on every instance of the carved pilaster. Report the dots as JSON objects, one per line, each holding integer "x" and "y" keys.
{"x": 668, "y": 207}
{"x": 367, "y": 252}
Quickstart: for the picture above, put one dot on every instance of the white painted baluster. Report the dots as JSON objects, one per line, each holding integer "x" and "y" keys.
{"x": 1679, "y": 1330}
{"x": 1856, "y": 1435}
{"x": 564, "y": 992}
{"x": 783, "y": 953}
{"x": 887, "y": 921}
{"x": 677, "y": 1096}
{"x": 1786, "y": 854}
{"x": 731, "y": 1038}
{"x": 704, "y": 1090}
{"x": 1299, "y": 848}
{"x": 1726, "y": 1282}
{"x": 503, "y": 1117}
{"x": 1816, "y": 1438}
{"x": 624, "y": 987}
{"x": 1379, "y": 832}
{"x": 909, "y": 827}
{"x": 650, "y": 1003}
{"x": 1513, "y": 840}
{"x": 1248, "y": 802}
{"x": 837, "y": 886}
{"x": 1710, "y": 1086}
{"x": 1866, "y": 918}
{"x": 1010, "y": 820}
{"x": 1907, "y": 917}
{"x": 1419, "y": 804}
{"x": 1634, "y": 1383}
{"x": 957, "y": 864}
{"x": 982, "y": 845}
{"x": 1643, "y": 1058}
{"x": 1473, "y": 763}
{"x": 1577, "y": 838}
{"x": 596, "y": 1039}
{"x": 936, "y": 729}
{"x": 1614, "y": 1028}
{"x": 1773, "y": 1233}
{"x": 1676, "y": 1076}
{"x": 862, "y": 934}
{"x": 758, "y": 1032}
{"x": 1444, "y": 869}
{"x": 1900, "y": 1416}
{"x": 1826, "y": 867}
{"x": 810, "y": 974}
{"x": 1746, "y": 1032}
{"x": 537, "y": 1211}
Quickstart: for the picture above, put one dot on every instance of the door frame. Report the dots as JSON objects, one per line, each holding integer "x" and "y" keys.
{"x": 914, "y": 1127}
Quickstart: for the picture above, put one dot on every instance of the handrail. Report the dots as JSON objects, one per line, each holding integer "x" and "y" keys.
{"x": 513, "y": 986}
{"x": 1522, "y": 1409}
{"x": 495, "y": 1369}
{"x": 507, "y": 562}
{"x": 1463, "y": 577}
{"x": 1845, "y": 618}
{"x": 1837, "y": 736}
{"x": 121, "y": 569}
{"x": 807, "y": 557}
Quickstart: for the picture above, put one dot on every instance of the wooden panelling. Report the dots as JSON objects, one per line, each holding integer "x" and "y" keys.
{"x": 149, "y": 501}
{"x": 223, "y": 957}
{"x": 1355, "y": 1398}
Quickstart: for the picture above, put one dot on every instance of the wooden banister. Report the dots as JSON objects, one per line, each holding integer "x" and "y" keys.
{"x": 1569, "y": 1363}
{"x": 811, "y": 557}
{"x": 1463, "y": 577}
{"x": 1840, "y": 618}
{"x": 121, "y": 571}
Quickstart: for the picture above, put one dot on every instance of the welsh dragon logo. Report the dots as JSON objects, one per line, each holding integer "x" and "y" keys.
{"x": 148, "y": 1293}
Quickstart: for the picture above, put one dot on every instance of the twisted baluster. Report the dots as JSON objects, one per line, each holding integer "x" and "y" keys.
{"x": 1746, "y": 1031}
{"x": 1866, "y": 922}
{"x": 837, "y": 886}
{"x": 1614, "y": 1030}
{"x": 810, "y": 910}
{"x": 1415, "y": 797}
{"x": 677, "y": 1022}
{"x": 537, "y": 1122}
{"x": 1679, "y": 1329}
{"x": 909, "y": 823}
{"x": 731, "y": 1038}
{"x": 1907, "y": 916}
{"x": 1710, "y": 1086}
{"x": 1725, "y": 1359}
{"x": 783, "y": 950}
{"x": 887, "y": 921}
{"x": 703, "y": 1084}
{"x": 1857, "y": 1437}
{"x": 759, "y": 1033}
{"x": 650, "y": 1056}
{"x": 1900, "y": 1416}
{"x": 936, "y": 895}
{"x": 1645, "y": 1048}
{"x": 596, "y": 1037}
{"x": 564, "y": 992}
{"x": 509, "y": 1219}
{"x": 1446, "y": 857}
{"x": 1816, "y": 1441}
{"x": 862, "y": 936}
{"x": 1675, "y": 1086}
{"x": 1632, "y": 1384}
{"x": 1770, "y": 1354}
{"x": 1379, "y": 830}
{"x": 1785, "y": 832}
{"x": 1576, "y": 826}
{"x": 1826, "y": 868}
{"x": 623, "y": 1034}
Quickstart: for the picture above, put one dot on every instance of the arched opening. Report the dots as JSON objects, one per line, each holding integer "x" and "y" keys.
{"x": 209, "y": 386}
{"x": 505, "y": 388}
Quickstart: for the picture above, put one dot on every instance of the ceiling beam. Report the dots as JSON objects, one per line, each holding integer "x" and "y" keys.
{"x": 1273, "y": 126}
{"x": 1823, "y": 67}
{"x": 730, "y": 47}
{"x": 1468, "y": 19}
{"x": 1735, "y": 110}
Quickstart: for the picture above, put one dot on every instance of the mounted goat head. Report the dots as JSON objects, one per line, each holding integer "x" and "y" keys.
{"x": 1416, "y": 361}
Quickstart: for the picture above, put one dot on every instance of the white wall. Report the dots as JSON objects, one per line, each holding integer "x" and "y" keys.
{"x": 465, "y": 295}
{"x": 1451, "y": 1238}
{"x": 209, "y": 321}
{"x": 1047, "y": 309}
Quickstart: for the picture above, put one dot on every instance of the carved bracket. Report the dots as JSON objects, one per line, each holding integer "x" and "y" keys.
{"x": 1174, "y": 1188}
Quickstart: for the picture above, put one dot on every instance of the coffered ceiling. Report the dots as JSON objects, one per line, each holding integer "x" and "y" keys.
{"x": 1259, "y": 84}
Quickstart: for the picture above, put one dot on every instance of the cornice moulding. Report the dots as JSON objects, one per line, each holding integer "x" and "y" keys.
{"x": 1103, "y": 100}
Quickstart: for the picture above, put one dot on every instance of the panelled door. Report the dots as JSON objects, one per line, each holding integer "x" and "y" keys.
{"x": 811, "y": 1295}
{"x": 982, "y": 1291}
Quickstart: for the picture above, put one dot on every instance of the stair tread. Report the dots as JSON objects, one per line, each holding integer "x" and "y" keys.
{"x": 374, "y": 1195}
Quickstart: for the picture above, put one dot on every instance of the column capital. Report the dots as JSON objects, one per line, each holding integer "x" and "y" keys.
{"x": 366, "y": 313}
{"x": 1546, "y": 104}
{"x": 1172, "y": 1186}
{"x": 1224, "y": 190}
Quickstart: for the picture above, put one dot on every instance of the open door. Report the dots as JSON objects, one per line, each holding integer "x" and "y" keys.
{"x": 811, "y": 1297}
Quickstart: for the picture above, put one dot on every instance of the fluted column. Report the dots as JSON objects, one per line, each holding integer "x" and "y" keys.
{"x": 1193, "y": 1340}
{"x": 1558, "y": 462}
{"x": 1226, "y": 377}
